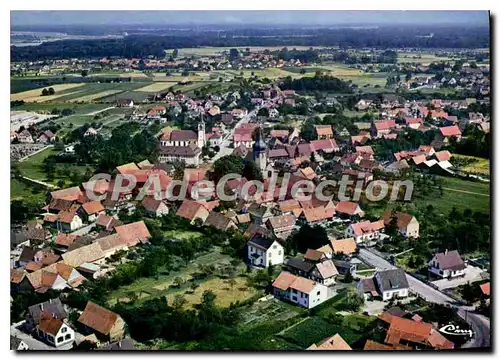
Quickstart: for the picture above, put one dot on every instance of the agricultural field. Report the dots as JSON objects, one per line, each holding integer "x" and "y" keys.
{"x": 36, "y": 94}
{"x": 80, "y": 109}
{"x": 157, "y": 87}
{"x": 422, "y": 58}
{"x": 212, "y": 51}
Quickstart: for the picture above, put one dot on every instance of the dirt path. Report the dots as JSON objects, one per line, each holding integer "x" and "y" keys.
{"x": 466, "y": 192}
{"x": 100, "y": 111}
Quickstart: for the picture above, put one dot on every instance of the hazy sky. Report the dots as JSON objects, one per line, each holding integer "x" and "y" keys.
{"x": 246, "y": 17}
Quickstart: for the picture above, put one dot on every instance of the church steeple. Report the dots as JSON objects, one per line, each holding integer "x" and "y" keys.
{"x": 201, "y": 133}
{"x": 259, "y": 152}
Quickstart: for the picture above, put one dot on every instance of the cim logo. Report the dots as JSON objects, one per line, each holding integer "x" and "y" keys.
{"x": 451, "y": 329}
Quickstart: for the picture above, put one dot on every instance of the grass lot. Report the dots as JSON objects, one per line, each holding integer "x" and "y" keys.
{"x": 32, "y": 167}
{"x": 96, "y": 96}
{"x": 145, "y": 288}
{"x": 181, "y": 235}
{"x": 36, "y": 94}
{"x": 23, "y": 190}
{"x": 461, "y": 194}
{"x": 476, "y": 166}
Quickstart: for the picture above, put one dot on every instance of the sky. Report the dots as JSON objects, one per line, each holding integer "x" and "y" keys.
{"x": 268, "y": 17}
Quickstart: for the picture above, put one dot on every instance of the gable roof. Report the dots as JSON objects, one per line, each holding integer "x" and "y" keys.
{"x": 17, "y": 275}
{"x": 261, "y": 241}
{"x": 450, "y": 260}
{"x": 218, "y": 221}
{"x": 485, "y": 288}
{"x": 133, "y": 233}
{"x": 150, "y": 203}
{"x": 450, "y": 131}
{"x": 366, "y": 227}
{"x": 313, "y": 255}
{"x": 392, "y": 279}
{"x": 402, "y": 219}
{"x": 92, "y": 207}
{"x": 49, "y": 324}
{"x": 282, "y": 221}
{"x": 335, "y": 342}
{"x": 344, "y": 246}
{"x": 347, "y": 207}
{"x": 327, "y": 269}
{"x": 98, "y": 318}
{"x": 87, "y": 253}
{"x": 324, "y": 130}
{"x": 65, "y": 239}
{"x": 52, "y": 306}
{"x": 72, "y": 193}
{"x": 189, "y": 209}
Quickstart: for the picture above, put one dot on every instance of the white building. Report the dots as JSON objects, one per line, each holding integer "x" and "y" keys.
{"x": 54, "y": 331}
{"x": 301, "y": 291}
{"x": 263, "y": 252}
{"x": 365, "y": 230}
{"x": 447, "y": 264}
{"x": 392, "y": 284}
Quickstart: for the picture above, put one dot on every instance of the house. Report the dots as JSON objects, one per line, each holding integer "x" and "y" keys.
{"x": 46, "y": 137}
{"x": 367, "y": 288}
{"x": 17, "y": 344}
{"x": 301, "y": 291}
{"x": 154, "y": 207}
{"x": 133, "y": 233}
{"x": 409, "y": 333}
{"x": 54, "y": 331}
{"x": 69, "y": 221}
{"x": 406, "y": 224}
{"x": 365, "y": 230}
{"x": 323, "y": 131}
{"x": 84, "y": 254}
{"x": 103, "y": 322}
{"x": 106, "y": 223}
{"x": 263, "y": 251}
{"x": 91, "y": 210}
{"x": 485, "y": 289}
{"x": 383, "y": 127}
{"x": 219, "y": 221}
{"x": 448, "y": 132}
{"x": 63, "y": 241}
{"x": 71, "y": 194}
{"x": 259, "y": 213}
{"x": 447, "y": 264}
{"x": 25, "y": 137}
{"x": 344, "y": 246}
{"x": 281, "y": 225}
{"x": 192, "y": 210}
{"x": 53, "y": 306}
{"x": 90, "y": 132}
{"x": 335, "y": 342}
{"x": 125, "y": 103}
{"x": 392, "y": 284}
{"x": 316, "y": 267}
{"x": 349, "y": 209}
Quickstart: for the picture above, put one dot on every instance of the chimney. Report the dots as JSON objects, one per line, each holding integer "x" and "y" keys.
{"x": 41, "y": 307}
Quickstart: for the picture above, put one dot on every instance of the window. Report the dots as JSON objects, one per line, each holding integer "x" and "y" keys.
{"x": 59, "y": 339}
{"x": 67, "y": 337}
{"x": 279, "y": 252}
{"x": 275, "y": 246}
{"x": 318, "y": 292}
{"x": 63, "y": 330}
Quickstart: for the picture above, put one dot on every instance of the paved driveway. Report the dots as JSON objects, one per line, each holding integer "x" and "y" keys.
{"x": 472, "y": 274}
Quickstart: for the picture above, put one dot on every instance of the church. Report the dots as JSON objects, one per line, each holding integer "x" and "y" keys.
{"x": 182, "y": 145}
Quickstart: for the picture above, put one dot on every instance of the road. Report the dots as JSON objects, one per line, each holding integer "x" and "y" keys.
{"x": 479, "y": 323}
{"x": 225, "y": 147}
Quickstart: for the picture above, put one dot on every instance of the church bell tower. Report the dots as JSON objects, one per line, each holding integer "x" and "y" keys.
{"x": 259, "y": 153}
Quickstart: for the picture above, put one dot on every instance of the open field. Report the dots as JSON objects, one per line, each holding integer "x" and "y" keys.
{"x": 157, "y": 86}
{"x": 36, "y": 94}
{"x": 477, "y": 165}
{"x": 181, "y": 235}
{"x": 47, "y": 108}
{"x": 23, "y": 190}
{"x": 96, "y": 96}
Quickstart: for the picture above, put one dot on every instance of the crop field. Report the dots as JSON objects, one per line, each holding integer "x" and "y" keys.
{"x": 157, "y": 86}
{"x": 36, "y": 94}
{"x": 47, "y": 108}
{"x": 96, "y": 96}
{"x": 423, "y": 58}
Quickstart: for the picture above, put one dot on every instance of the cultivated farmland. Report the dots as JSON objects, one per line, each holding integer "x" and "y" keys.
{"x": 36, "y": 94}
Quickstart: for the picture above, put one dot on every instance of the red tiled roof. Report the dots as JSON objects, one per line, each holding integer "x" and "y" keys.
{"x": 450, "y": 131}
{"x": 133, "y": 233}
{"x": 346, "y": 207}
{"x": 98, "y": 318}
{"x": 485, "y": 288}
{"x": 92, "y": 207}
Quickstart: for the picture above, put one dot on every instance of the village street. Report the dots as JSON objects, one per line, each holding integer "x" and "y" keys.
{"x": 480, "y": 324}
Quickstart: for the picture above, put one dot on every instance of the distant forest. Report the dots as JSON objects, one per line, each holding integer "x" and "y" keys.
{"x": 150, "y": 44}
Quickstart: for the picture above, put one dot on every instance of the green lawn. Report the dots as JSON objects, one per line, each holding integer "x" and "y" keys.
{"x": 23, "y": 190}
{"x": 182, "y": 235}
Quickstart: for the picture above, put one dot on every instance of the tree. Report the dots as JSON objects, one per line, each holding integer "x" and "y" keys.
{"x": 233, "y": 54}
{"x": 263, "y": 111}
{"x": 178, "y": 282}
{"x": 51, "y": 91}
{"x": 45, "y": 92}
{"x": 85, "y": 73}
{"x": 175, "y": 53}
{"x": 179, "y": 302}
{"x": 308, "y": 131}
{"x": 310, "y": 238}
